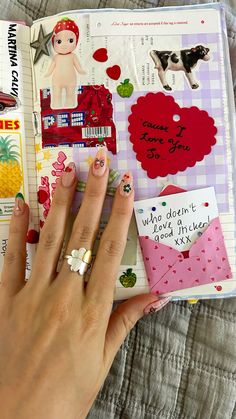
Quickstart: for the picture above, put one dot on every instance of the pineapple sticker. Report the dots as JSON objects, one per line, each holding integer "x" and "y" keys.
{"x": 10, "y": 170}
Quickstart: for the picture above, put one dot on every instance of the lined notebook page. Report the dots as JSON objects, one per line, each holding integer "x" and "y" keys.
{"x": 15, "y": 78}
{"x": 25, "y": 110}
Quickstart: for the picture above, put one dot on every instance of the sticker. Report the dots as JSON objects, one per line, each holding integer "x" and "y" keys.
{"x": 8, "y": 102}
{"x": 65, "y": 65}
{"x": 114, "y": 72}
{"x": 167, "y": 138}
{"x": 32, "y": 236}
{"x": 174, "y": 255}
{"x": 100, "y": 55}
{"x": 90, "y": 124}
{"x": 177, "y": 223}
{"x": 169, "y": 270}
{"x": 40, "y": 44}
{"x": 184, "y": 60}
{"x": 128, "y": 279}
{"x": 11, "y": 176}
{"x": 125, "y": 88}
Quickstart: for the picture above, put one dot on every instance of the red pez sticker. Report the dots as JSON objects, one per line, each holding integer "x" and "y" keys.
{"x": 89, "y": 124}
{"x": 167, "y": 138}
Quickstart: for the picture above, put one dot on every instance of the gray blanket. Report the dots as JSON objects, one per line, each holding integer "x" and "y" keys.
{"x": 179, "y": 363}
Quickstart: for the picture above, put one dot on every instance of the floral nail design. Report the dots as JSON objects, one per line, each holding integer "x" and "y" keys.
{"x": 126, "y": 184}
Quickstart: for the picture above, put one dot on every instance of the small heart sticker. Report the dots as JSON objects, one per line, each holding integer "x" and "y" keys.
{"x": 100, "y": 55}
{"x": 114, "y": 72}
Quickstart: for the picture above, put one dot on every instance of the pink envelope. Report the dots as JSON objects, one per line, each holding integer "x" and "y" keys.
{"x": 170, "y": 270}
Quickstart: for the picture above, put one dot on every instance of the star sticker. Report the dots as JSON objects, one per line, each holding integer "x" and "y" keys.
{"x": 38, "y": 166}
{"x": 46, "y": 155}
{"x": 37, "y": 148}
{"x": 40, "y": 44}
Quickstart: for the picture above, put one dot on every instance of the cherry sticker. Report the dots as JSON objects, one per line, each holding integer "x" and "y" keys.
{"x": 165, "y": 144}
{"x": 100, "y": 55}
{"x": 113, "y": 72}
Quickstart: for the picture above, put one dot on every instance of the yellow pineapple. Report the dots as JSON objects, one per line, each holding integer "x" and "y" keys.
{"x": 10, "y": 170}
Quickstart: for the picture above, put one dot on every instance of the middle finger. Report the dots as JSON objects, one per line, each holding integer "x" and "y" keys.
{"x": 86, "y": 225}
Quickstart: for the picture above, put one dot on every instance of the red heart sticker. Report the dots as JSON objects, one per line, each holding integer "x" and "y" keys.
{"x": 113, "y": 72}
{"x": 42, "y": 196}
{"x": 167, "y": 138}
{"x": 100, "y": 55}
{"x": 32, "y": 236}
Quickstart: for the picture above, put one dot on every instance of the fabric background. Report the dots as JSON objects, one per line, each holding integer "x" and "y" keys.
{"x": 179, "y": 363}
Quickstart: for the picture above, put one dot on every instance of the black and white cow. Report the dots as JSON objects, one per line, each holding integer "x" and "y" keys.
{"x": 184, "y": 60}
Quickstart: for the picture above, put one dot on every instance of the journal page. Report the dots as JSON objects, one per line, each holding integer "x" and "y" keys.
{"x": 151, "y": 86}
{"x": 17, "y": 156}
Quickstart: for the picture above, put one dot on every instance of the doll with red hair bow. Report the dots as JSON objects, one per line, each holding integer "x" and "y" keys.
{"x": 64, "y": 64}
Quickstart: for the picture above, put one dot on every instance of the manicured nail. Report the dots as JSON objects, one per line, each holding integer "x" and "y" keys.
{"x": 156, "y": 305}
{"x": 126, "y": 184}
{"x": 68, "y": 176}
{"x": 20, "y": 195}
{"x": 19, "y": 204}
{"x": 100, "y": 162}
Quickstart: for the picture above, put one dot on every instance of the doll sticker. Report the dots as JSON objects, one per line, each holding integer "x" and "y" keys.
{"x": 65, "y": 65}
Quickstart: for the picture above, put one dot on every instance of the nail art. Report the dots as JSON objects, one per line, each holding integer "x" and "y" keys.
{"x": 100, "y": 162}
{"x": 20, "y": 195}
{"x": 68, "y": 176}
{"x": 126, "y": 184}
{"x": 19, "y": 204}
{"x": 156, "y": 305}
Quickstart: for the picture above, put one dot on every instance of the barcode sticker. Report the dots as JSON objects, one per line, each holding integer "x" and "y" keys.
{"x": 96, "y": 132}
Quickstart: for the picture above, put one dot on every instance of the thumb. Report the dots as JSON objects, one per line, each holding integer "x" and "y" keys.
{"x": 124, "y": 318}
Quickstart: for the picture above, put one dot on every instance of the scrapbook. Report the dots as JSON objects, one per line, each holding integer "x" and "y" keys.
{"x": 154, "y": 87}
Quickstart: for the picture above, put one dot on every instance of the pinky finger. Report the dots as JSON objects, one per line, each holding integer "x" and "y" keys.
{"x": 124, "y": 318}
{"x": 13, "y": 274}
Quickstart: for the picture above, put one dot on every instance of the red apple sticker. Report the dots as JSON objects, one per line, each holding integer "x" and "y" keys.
{"x": 167, "y": 138}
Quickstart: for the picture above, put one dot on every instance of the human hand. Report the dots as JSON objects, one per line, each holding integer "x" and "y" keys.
{"x": 58, "y": 339}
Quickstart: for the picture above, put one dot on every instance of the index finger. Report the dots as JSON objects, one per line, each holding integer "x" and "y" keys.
{"x": 101, "y": 284}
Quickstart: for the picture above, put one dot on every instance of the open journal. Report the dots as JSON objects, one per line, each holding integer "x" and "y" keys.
{"x": 154, "y": 87}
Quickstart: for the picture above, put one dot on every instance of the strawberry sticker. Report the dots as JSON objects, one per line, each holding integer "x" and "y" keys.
{"x": 167, "y": 138}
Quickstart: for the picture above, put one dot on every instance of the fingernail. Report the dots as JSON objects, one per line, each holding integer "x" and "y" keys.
{"x": 126, "y": 184}
{"x": 68, "y": 176}
{"x": 100, "y": 162}
{"x": 156, "y": 305}
{"x": 19, "y": 204}
{"x": 20, "y": 195}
